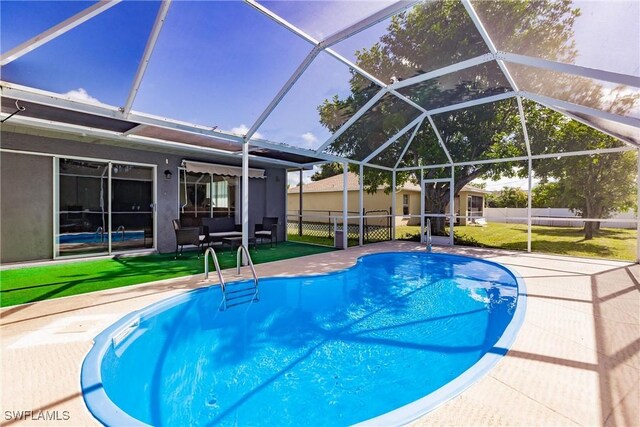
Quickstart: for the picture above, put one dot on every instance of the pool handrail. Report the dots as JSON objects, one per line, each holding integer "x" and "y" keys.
{"x": 241, "y": 249}
{"x": 217, "y": 265}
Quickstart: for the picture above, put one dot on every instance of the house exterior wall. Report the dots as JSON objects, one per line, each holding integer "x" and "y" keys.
{"x": 26, "y": 207}
{"x": 266, "y": 196}
{"x": 327, "y": 203}
{"x": 330, "y": 202}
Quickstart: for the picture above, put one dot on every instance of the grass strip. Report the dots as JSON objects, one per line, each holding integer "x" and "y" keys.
{"x": 30, "y": 284}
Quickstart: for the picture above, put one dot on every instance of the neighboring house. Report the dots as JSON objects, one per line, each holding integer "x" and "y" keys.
{"x": 325, "y": 196}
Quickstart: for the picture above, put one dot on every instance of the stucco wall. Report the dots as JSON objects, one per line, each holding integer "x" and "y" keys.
{"x": 264, "y": 195}
{"x": 26, "y": 207}
{"x": 332, "y": 201}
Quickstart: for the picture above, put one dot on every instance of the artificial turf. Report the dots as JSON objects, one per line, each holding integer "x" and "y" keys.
{"x": 30, "y": 284}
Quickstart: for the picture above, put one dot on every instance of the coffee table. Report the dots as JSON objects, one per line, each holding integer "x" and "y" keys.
{"x": 235, "y": 242}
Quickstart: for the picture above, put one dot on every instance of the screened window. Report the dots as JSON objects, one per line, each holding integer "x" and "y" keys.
{"x": 474, "y": 206}
{"x": 206, "y": 195}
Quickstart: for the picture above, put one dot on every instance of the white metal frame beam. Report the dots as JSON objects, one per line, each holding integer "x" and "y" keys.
{"x": 345, "y": 206}
{"x": 56, "y": 31}
{"x": 23, "y": 93}
{"x": 548, "y": 102}
{"x": 146, "y": 56}
{"x": 126, "y": 140}
{"x": 324, "y": 157}
{"x": 440, "y": 140}
{"x": 593, "y": 125}
{"x": 487, "y": 57}
{"x": 352, "y": 119}
{"x": 488, "y": 41}
{"x": 414, "y": 123}
{"x": 522, "y": 158}
{"x": 282, "y": 22}
{"x": 367, "y": 22}
{"x": 406, "y": 147}
{"x": 472, "y": 103}
{"x": 577, "y": 70}
{"x": 361, "y": 205}
{"x": 283, "y": 91}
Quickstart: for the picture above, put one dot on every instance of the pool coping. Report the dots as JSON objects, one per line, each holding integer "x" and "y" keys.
{"x": 109, "y": 413}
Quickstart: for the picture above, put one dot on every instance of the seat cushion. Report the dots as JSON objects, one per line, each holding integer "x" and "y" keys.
{"x": 263, "y": 233}
{"x": 223, "y": 234}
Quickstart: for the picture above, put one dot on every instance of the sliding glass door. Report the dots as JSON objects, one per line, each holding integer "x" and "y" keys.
{"x": 131, "y": 207}
{"x": 83, "y": 214}
{"x": 103, "y": 207}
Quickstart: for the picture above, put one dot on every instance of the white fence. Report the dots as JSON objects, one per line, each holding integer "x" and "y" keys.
{"x": 553, "y": 217}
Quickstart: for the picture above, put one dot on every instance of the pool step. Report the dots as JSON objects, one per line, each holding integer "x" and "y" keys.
{"x": 253, "y": 291}
{"x": 241, "y": 302}
{"x": 242, "y": 296}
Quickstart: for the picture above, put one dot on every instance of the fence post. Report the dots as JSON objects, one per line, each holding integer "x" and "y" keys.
{"x": 300, "y": 204}
{"x": 329, "y": 224}
{"x": 365, "y": 227}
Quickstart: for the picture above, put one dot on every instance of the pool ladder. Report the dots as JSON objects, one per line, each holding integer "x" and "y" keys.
{"x": 233, "y": 297}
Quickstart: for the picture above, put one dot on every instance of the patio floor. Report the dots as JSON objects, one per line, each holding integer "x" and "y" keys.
{"x": 576, "y": 359}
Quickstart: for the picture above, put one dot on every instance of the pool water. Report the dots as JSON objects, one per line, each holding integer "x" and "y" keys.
{"x": 116, "y": 236}
{"x": 332, "y": 349}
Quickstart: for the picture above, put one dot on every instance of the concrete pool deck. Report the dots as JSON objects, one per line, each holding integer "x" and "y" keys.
{"x": 576, "y": 359}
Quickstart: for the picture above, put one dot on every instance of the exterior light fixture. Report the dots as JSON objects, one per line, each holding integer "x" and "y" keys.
{"x": 167, "y": 174}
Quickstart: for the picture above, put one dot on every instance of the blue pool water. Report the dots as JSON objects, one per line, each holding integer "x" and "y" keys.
{"x": 392, "y": 337}
{"x": 96, "y": 238}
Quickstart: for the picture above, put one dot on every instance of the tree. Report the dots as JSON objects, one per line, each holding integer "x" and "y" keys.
{"x": 432, "y": 35}
{"x": 548, "y": 195}
{"x": 327, "y": 170}
{"x": 508, "y": 197}
{"x": 594, "y": 186}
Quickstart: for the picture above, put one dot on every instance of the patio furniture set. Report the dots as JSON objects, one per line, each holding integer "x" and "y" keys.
{"x": 222, "y": 231}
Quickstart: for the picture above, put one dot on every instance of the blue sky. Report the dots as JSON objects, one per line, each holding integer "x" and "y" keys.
{"x": 219, "y": 63}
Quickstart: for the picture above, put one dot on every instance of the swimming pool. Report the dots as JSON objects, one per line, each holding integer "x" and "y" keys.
{"x": 384, "y": 341}
{"x": 94, "y": 237}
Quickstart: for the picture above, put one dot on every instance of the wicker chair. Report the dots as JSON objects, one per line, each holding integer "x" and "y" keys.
{"x": 267, "y": 230}
{"x": 186, "y": 236}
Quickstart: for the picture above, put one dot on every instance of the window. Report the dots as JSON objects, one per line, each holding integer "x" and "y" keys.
{"x": 405, "y": 204}
{"x": 206, "y": 195}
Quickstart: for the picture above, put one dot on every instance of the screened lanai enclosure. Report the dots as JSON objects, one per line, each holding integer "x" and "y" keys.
{"x": 539, "y": 96}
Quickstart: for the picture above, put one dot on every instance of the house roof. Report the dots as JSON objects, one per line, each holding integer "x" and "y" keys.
{"x": 335, "y": 183}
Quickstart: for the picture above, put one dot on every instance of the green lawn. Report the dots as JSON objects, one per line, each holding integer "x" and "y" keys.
{"x": 29, "y": 284}
{"x": 316, "y": 240}
{"x": 614, "y": 243}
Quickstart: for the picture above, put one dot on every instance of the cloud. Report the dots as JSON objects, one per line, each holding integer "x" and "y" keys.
{"x": 310, "y": 140}
{"x": 81, "y": 94}
{"x": 243, "y": 129}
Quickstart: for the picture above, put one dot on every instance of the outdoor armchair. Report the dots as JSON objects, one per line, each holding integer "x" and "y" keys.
{"x": 267, "y": 230}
